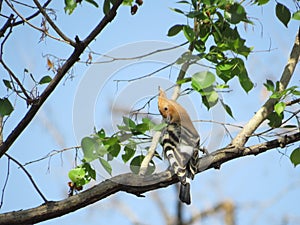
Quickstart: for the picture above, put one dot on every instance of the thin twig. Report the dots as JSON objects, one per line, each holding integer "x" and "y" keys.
{"x": 33, "y": 26}
{"x": 5, "y": 183}
{"x": 294, "y": 114}
{"x": 139, "y": 56}
{"x": 53, "y": 25}
{"x": 50, "y": 154}
{"x": 292, "y": 102}
{"x": 28, "y": 98}
{"x": 29, "y": 176}
{"x": 147, "y": 75}
{"x": 31, "y": 16}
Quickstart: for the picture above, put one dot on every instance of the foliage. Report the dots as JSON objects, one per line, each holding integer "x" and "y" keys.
{"x": 70, "y": 5}
{"x": 123, "y": 144}
{"x": 276, "y": 117}
{"x": 216, "y": 40}
{"x": 6, "y": 107}
{"x": 295, "y": 157}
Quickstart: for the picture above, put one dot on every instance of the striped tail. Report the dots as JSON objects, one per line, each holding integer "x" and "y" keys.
{"x": 184, "y": 193}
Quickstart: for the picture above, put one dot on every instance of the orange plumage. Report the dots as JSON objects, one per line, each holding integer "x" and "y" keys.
{"x": 174, "y": 113}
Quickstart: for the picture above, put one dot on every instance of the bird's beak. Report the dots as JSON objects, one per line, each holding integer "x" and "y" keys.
{"x": 168, "y": 118}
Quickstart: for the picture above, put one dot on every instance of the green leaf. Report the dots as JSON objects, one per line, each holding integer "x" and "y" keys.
{"x": 114, "y": 150}
{"x": 129, "y": 152}
{"x": 200, "y": 46}
{"x": 7, "y": 84}
{"x": 183, "y": 2}
{"x": 70, "y": 5}
{"x": 127, "y": 2}
{"x": 296, "y": 15}
{"x": 140, "y": 129}
{"x": 224, "y": 69}
{"x": 177, "y": 10}
{"x": 6, "y": 107}
{"x": 283, "y": 13}
{"x": 92, "y": 149}
{"x": 129, "y": 123}
{"x": 205, "y": 31}
{"x": 270, "y": 85}
{"x": 222, "y": 86}
{"x": 89, "y": 146}
{"x": 210, "y": 99}
{"x": 279, "y": 108}
{"x": 184, "y": 80}
{"x": 189, "y": 33}
{"x": 106, "y": 165}
{"x": 148, "y": 122}
{"x": 227, "y": 109}
{"x": 106, "y": 7}
{"x": 77, "y": 176}
{"x": 275, "y": 120}
{"x": 174, "y": 30}
{"x": 295, "y": 92}
{"x": 235, "y": 13}
{"x": 202, "y": 80}
{"x": 261, "y": 2}
{"x": 159, "y": 127}
{"x": 111, "y": 141}
{"x": 90, "y": 172}
{"x": 136, "y": 162}
{"x": 101, "y": 133}
{"x": 45, "y": 80}
{"x": 295, "y": 157}
{"x": 93, "y": 3}
{"x": 245, "y": 81}
{"x": 123, "y": 128}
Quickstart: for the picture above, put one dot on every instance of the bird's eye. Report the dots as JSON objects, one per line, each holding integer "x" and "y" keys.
{"x": 166, "y": 108}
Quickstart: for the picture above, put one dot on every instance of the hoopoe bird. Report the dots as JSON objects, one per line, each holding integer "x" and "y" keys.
{"x": 180, "y": 142}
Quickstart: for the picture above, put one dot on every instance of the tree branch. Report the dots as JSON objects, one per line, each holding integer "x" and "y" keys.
{"x": 33, "y": 15}
{"x": 80, "y": 47}
{"x": 53, "y": 25}
{"x": 268, "y": 107}
{"x": 29, "y": 176}
{"x": 135, "y": 184}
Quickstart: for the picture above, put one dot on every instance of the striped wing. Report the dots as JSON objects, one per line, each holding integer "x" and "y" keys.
{"x": 181, "y": 148}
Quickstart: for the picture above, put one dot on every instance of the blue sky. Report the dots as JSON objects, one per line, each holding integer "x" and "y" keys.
{"x": 264, "y": 188}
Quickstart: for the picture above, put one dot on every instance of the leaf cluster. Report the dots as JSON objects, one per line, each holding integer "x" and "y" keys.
{"x": 70, "y": 5}
{"x": 123, "y": 144}
{"x": 283, "y": 13}
{"x": 216, "y": 40}
{"x": 276, "y": 117}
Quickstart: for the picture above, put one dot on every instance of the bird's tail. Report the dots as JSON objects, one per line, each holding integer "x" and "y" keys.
{"x": 184, "y": 193}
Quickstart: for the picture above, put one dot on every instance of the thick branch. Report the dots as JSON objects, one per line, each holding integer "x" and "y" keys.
{"x": 134, "y": 184}
{"x": 268, "y": 107}
{"x": 80, "y": 47}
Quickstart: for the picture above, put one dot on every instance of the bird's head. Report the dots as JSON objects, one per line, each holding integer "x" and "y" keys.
{"x": 171, "y": 111}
